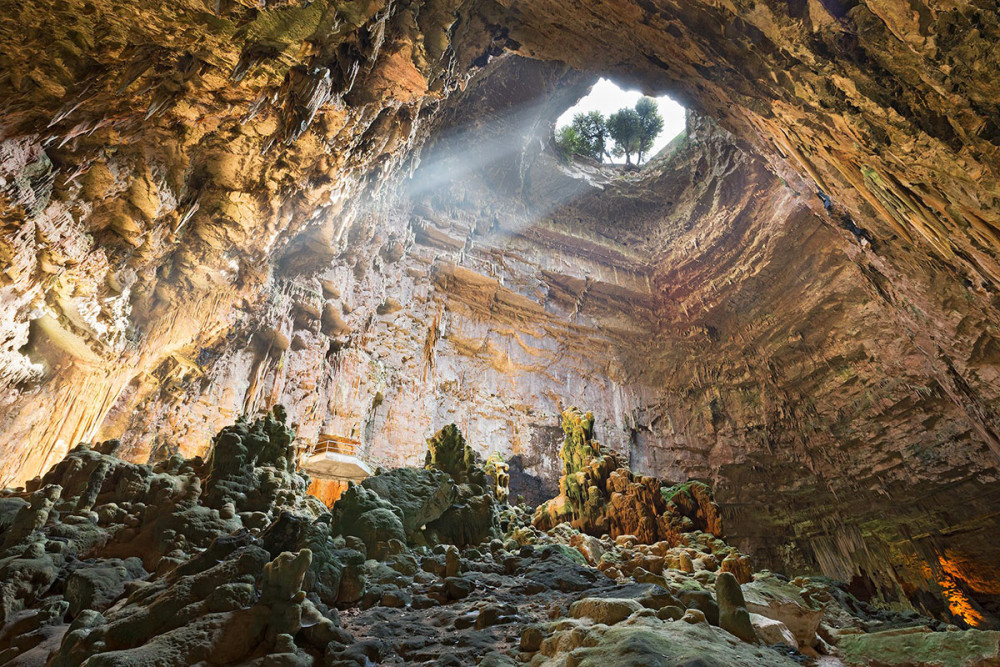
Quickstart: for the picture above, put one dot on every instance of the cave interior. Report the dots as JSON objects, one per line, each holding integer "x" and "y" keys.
{"x": 737, "y": 405}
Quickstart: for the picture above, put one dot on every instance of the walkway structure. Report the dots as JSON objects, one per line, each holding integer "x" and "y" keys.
{"x": 336, "y": 458}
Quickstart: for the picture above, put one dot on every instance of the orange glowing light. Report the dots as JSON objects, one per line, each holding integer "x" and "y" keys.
{"x": 976, "y": 575}
{"x": 960, "y": 605}
{"x": 327, "y": 490}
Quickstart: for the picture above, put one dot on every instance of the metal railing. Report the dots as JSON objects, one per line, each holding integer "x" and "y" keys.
{"x": 338, "y": 444}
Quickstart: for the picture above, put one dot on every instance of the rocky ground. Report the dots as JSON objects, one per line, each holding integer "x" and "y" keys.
{"x": 228, "y": 561}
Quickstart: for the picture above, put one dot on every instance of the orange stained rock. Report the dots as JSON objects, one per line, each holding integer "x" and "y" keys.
{"x": 959, "y": 603}
{"x": 953, "y": 579}
{"x": 976, "y": 576}
{"x": 327, "y": 490}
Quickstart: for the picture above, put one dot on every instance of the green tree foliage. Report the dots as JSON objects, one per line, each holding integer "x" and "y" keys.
{"x": 624, "y": 127}
{"x": 588, "y": 135}
{"x": 593, "y": 128}
{"x": 570, "y": 141}
{"x": 632, "y": 131}
{"x": 650, "y": 124}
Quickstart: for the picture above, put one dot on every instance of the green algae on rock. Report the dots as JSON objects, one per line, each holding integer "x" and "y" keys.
{"x": 597, "y": 494}
{"x": 448, "y": 451}
{"x": 918, "y": 647}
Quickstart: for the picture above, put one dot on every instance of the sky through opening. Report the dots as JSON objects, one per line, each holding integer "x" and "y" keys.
{"x": 608, "y": 98}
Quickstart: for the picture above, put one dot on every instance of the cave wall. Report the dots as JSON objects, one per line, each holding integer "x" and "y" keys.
{"x": 152, "y": 162}
{"x": 450, "y": 311}
{"x": 764, "y": 358}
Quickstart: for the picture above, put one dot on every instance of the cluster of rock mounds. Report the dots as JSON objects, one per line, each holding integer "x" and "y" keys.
{"x": 221, "y": 561}
{"x": 599, "y": 495}
{"x": 229, "y": 561}
{"x": 452, "y": 500}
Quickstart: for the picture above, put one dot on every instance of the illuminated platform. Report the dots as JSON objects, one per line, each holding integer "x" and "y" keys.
{"x": 336, "y": 458}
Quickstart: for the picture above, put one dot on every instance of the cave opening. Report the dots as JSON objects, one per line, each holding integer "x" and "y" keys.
{"x": 745, "y": 390}
{"x": 606, "y": 98}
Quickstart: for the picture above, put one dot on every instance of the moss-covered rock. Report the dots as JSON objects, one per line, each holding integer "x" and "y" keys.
{"x": 644, "y": 641}
{"x": 421, "y": 496}
{"x": 471, "y": 520}
{"x": 238, "y": 565}
{"x": 598, "y": 495}
{"x": 498, "y": 471}
{"x": 733, "y": 615}
{"x": 99, "y": 585}
{"x": 918, "y": 647}
{"x": 770, "y": 596}
{"x": 690, "y": 507}
{"x": 448, "y": 451}
{"x": 251, "y": 464}
{"x": 604, "y": 610}
{"x": 362, "y": 513}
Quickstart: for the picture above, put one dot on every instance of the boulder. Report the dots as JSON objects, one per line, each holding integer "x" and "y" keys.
{"x": 363, "y": 514}
{"x": 919, "y": 647}
{"x": 670, "y": 613}
{"x": 589, "y": 546}
{"x": 739, "y": 566}
{"x": 558, "y": 571}
{"x": 98, "y": 586}
{"x": 650, "y": 641}
{"x": 458, "y": 587}
{"x": 769, "y": 596}
{"x": 421, "y": 496}
{"x": 375, "y": 527}
{"x": 472, "y": 520}
{"x": 531, "y": 638}
{"x": 650, "y": 596}
{"x": 694, "y": 617}
{"x": 604, "y": 610}
{"x": 452, "y": 561}
{"x": 701, "y": 600}
{"x": 772, "y": 632}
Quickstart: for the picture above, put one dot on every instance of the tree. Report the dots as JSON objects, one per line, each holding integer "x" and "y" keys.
{"x": 632, "y": 130}
{"x": 650, "y": 124}
{"x": 624, "y": 128}
{"x": 570, "y": 141}
{"x": 588, "y": 135}
{"x": 593, "y": 128}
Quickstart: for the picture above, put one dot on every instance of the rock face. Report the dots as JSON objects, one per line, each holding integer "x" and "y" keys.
{"x": 347, "y": 208}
